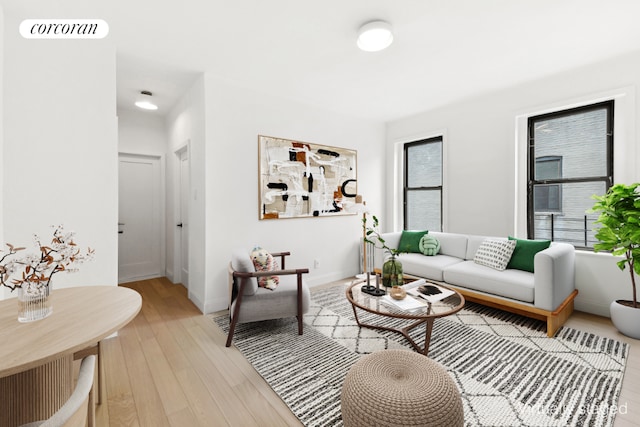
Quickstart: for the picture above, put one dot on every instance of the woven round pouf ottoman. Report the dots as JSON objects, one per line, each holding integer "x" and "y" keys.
{"x": 400, "y": 388}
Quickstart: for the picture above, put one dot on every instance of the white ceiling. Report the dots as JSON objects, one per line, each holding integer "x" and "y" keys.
{"x": 305, "y": 50}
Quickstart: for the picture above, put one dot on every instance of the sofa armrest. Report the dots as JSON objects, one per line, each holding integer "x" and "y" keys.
{"x": 554, "y": 275}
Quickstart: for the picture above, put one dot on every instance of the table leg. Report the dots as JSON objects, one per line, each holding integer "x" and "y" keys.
{"x": 427, "y": 335}
{"x": 36, "y": 394}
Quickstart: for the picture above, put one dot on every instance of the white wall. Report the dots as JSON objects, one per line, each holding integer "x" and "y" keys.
{"x": 484, "y": 152}
{"x": 141, "y": 133}
{"x": 3, "y": 291}
{"x": 185, "y": 126}
{"x": 60, "y": 146}
{"x": 234, "y": 118}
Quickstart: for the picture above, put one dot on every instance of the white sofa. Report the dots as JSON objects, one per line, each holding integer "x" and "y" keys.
{"x": 547, "y": 294}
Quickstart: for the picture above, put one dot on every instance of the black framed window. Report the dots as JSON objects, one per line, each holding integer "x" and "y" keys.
{"x": 423, "y": 185}
{"x": 548, "y": 197}
{"x": 570, "y": 158}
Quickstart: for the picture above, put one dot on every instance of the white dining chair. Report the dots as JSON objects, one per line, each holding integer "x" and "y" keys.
{"x": 79, "y": 410}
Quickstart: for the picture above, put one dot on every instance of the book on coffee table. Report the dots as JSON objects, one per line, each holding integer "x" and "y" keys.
{"x": 404, "y": 304}
{"x": 427, "y": 291}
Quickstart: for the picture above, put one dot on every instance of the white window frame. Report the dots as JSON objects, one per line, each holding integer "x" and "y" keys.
{"x": 395, "y": 210}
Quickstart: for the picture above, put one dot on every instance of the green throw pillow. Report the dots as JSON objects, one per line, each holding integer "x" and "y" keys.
{"x": 525, "y": 251}
{"x": 429, "y": 245}
{"x": 410, "y": 241}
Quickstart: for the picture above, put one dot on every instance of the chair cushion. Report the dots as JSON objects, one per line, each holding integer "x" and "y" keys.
{"x": 274, "y": 304}
{"x": 241, "y": 262}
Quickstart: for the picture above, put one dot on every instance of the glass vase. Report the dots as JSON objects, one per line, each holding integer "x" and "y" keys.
{"x": 34, "y": 303}
{"x": 392, "y": 272}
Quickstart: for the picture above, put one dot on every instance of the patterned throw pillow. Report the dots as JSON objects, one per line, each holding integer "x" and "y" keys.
{"x": 264, "y": 261}
{"x": 429, "y": 245}
{"x": 495, "y": 253}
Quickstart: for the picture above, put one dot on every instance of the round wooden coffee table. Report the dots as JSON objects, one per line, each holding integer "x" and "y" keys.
{"x": 424, "y": 314}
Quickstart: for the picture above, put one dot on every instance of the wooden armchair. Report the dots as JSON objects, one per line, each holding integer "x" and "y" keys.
{"x": 250, "y": 303}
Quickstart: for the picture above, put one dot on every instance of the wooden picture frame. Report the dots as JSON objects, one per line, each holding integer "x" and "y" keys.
{"x": 301, "y": 179}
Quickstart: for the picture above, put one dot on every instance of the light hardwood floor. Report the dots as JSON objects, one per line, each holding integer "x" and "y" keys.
{"x": 169, "y": 367}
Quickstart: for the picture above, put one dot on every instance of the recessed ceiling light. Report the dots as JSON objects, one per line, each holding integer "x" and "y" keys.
{"x": 375, "y": 36}
{"x": 144, "y": 101}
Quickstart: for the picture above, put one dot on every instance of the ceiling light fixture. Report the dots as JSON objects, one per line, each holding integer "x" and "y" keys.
{"x": 144, "y": 101}
{"x": 374, "y": 36}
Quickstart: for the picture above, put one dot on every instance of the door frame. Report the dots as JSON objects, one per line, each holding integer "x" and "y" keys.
{"x": 177, "y": 241}
{"x": 162, "y": 202}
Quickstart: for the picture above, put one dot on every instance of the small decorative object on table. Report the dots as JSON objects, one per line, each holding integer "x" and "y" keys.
{"x": 392, "y": 267}
{"x": 392, "y": 272}
{"x": 31, "y": 274}
{"x": 397, "y": 292}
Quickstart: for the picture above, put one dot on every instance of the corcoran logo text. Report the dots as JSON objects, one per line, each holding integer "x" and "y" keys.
{"x": 64, "y": 29}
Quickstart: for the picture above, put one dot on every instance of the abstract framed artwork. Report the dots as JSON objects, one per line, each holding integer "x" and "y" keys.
{"x": 301, "y": 179}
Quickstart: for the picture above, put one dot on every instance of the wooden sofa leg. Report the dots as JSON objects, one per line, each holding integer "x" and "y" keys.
{"x": 556, "y": 319}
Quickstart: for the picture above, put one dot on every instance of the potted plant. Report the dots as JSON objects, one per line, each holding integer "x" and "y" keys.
{"x": 619, "y": 233}
{"x": 392, "y": 268}
{"x": 30, "y": 275}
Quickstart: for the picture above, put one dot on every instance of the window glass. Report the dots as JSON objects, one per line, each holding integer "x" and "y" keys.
{"x": 570, "y": 160}
{"x": 424, "y": 163}
{"x": 424, "y": 210}
{"x": 580, "y": 139}
{"x": 423, "y": 185}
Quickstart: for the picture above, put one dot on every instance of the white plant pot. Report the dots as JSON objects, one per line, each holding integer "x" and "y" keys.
{"x": 626, "y": 319}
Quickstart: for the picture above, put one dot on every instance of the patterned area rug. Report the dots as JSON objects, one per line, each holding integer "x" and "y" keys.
{"x": 508, "y": 371}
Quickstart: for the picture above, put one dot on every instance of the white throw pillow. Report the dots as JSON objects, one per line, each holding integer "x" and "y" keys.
{"x": 495, "y": 253}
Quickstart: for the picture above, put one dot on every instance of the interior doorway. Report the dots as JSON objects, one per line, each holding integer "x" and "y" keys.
{"x": 140, "y": 220}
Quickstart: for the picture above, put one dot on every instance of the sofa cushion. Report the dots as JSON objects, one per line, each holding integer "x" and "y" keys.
{"x": 451, "y": 244}
{"x": 431, "y": 267}
{"x": 473, "y": 243}
{"x": 515, "y": 284}
{"x": 494, "y": 253}
{"x": 241, "y": 262}
{"x": 410, "y": 241}
{"x": 525, "y": 252}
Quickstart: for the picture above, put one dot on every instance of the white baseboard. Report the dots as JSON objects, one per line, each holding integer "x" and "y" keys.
{"x": 137, "y": 278}
{"x": 197, "y": 302}
{"x": 216, "y": 304}
{"x": 599, "y": 308}
{"x": 313, "y": 281}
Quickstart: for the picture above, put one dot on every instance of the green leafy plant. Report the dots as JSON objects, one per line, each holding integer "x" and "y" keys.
{"x": 374, "y": 233}
{"x": 619, "y": 232}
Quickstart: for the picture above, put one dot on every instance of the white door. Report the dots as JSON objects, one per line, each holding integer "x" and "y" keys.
{"x": 183, "y": 225}
{"x": 140, "y": 218}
